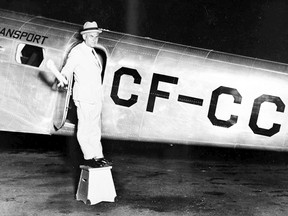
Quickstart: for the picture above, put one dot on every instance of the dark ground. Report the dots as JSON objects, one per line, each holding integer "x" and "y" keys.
{"x": 40, "y": 174}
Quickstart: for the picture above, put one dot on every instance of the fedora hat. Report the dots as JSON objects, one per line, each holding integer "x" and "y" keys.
{"x": 90, "y": 27}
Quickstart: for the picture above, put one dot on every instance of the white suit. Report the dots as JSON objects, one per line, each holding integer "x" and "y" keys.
{"x": 87, "y": 96}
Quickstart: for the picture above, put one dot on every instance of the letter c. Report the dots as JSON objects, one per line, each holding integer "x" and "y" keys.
{"x": 255, "y": 114}
{"x": 213, "y": 104}
{"x": 115, "y": 87}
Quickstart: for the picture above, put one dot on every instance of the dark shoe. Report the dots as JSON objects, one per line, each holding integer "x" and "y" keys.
{"x": 104, "y": 162}
{"x": 96, "y": 163}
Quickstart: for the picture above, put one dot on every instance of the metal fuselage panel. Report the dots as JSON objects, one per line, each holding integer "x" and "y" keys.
{"x": 171, "y": 93}
{"x": 155, "y": 91}
{"x": 28, "y": 95}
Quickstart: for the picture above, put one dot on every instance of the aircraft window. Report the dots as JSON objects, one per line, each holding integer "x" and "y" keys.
{"x": 29, "y": 55}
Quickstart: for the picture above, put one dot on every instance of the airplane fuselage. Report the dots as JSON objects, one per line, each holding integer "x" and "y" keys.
{"x": 153, "y": 90}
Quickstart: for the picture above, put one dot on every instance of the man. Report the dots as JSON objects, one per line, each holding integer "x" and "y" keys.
{"x": 84, "y": 64}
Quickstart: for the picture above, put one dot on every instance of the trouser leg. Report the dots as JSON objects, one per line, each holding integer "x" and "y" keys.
{"x": 89, "y": 129}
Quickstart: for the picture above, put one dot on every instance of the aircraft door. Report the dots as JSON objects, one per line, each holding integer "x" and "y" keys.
{"x": 63, "y": 103}
{"x": 62, "y": 106}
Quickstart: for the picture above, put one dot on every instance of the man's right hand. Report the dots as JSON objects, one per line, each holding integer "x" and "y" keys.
{"x": 61, "y": 78}
{"x": 63, "y": 82}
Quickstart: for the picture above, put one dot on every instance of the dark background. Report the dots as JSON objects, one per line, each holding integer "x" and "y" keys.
{"x": 255, "y": 28}
{"x": 251, "y": 28}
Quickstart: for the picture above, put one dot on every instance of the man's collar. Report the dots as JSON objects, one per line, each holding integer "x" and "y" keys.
{"x": 86, "y": 46}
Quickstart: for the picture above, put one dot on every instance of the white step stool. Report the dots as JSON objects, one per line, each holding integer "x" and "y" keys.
{"x": 95, "y": 185}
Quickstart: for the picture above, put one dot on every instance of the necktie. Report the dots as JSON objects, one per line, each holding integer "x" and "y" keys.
{"x": 97, "y": 58}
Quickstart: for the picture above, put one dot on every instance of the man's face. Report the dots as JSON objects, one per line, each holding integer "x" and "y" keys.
{"x": 91, "y": 39}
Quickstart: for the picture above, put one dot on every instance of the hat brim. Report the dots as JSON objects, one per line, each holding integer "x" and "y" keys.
{"x": 89, "y": 30}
